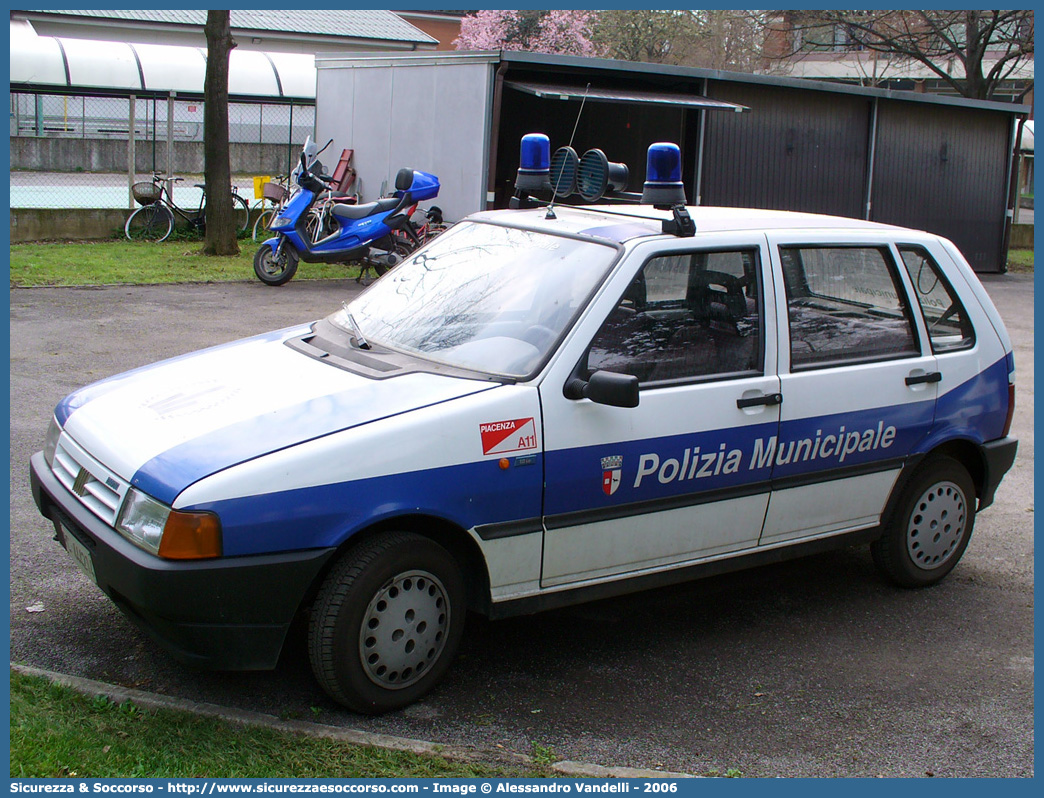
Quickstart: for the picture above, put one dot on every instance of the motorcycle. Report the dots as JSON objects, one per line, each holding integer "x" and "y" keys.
{"x": 377, "y": 233}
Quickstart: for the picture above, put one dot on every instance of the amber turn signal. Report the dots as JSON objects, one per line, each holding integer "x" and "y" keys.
{"x": 191, "y": 536}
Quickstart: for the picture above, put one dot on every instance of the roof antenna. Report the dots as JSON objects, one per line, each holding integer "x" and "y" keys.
{"x": 554, "y": 193}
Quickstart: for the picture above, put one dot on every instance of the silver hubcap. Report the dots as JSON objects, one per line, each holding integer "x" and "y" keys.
{"x": 936, "y": 525}
{"x": 404, "y": 629}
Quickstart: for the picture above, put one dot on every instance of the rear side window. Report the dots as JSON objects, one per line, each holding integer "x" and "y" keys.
{"x": 686, "y": 316}
{"x": 949, "y": 328}
{"x": 845, "y": 305}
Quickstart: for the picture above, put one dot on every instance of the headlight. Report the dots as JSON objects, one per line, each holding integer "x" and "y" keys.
{"x": 54, "y": 432}
{"x": 171, "y": 534}
{"x": 142, "y": 520}
{"x": 282, "y": 221}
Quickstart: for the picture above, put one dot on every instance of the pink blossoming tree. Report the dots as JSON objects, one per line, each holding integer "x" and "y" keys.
{"x": 559, "y": 32}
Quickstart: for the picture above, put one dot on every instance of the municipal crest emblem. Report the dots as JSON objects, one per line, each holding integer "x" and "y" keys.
{"x": 612, "y": 468}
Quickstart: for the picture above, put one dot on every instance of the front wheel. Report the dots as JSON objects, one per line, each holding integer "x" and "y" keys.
{"x": 387, "y": 622}
{"x": 930, "y": 527}
{"x": 273, "y": 269}
{"x": 149, "y": 223}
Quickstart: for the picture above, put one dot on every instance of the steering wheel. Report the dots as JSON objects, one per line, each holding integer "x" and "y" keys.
{"x": 734, "y": 301}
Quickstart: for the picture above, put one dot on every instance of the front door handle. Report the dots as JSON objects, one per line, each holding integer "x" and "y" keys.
{"x": 764, "y": 399}
{"x": 930, "y": 376}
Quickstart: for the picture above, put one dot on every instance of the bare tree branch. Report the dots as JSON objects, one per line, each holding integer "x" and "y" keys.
{"x": 932, "y": 38}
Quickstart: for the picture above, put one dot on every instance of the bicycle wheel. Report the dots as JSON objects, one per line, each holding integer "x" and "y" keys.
{"x": 320, "y": 224}
{"x": 263, "y": 223}
{"x": 149, "y": 223}
{"x": 240, "y": 216}
{"x": 241, "y": 213}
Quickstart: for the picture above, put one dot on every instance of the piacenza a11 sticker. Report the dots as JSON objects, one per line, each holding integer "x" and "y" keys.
{"x": 504, "y": 437}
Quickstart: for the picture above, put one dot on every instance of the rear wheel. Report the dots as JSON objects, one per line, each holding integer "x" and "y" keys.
{"x": 240, "y": 216}
{"x": 273, "y": 269}
{"x": 397, "y": 242}
{"x": 387, "y": 622}
{"x": 149, "y": 223}
{"x": 241, "y": 213}
{"x": 930, "y": 526}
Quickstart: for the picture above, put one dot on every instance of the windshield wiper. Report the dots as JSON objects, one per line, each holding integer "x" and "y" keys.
{"x": 359, "y": 337}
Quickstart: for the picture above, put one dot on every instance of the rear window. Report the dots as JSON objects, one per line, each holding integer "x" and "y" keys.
{"x": 845, "y": 305}
{"x": 949, "y": 328}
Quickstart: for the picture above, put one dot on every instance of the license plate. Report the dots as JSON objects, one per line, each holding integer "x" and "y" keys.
{"x": 79, "y": 553}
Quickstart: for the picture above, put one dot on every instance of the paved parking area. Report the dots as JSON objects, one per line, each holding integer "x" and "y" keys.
{"x": 810, "y": 668}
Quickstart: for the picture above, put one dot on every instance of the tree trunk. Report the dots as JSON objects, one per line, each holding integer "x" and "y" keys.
{"x": 220, "y": 235}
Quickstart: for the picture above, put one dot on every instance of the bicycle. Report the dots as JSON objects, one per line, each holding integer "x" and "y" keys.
{"x": 275, "y": 193}
{"x": 154, "y": 220}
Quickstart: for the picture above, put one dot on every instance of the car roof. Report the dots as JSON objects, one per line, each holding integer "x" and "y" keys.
{"x": 621, "y": 223}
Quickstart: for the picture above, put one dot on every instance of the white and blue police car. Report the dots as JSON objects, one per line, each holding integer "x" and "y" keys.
{"x": 544, "y": 405}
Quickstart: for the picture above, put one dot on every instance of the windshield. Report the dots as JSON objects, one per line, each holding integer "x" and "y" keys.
{"x": 481, "y": 297}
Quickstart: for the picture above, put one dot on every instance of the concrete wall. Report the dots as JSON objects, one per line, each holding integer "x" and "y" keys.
{"x": 66, "y": 224}
{"x": 104, "y": 155}
{"x": 1021, "y": 236}
{"x": 73, "y": 224}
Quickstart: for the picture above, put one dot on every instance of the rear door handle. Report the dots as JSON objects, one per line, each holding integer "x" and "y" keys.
{"x": 764, "y": 399}
{"x": 931, "y": 376}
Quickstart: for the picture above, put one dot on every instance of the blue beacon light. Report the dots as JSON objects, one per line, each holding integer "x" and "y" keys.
{"x": 663, "y": 186}
{"x": 534, "y": 170}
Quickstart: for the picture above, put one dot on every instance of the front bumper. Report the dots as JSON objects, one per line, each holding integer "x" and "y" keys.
{"x": 230, "y": 613}
{"x": 998, "y": 456}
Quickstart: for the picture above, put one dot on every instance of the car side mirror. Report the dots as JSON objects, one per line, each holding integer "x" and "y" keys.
{"x": 605, "y": 388}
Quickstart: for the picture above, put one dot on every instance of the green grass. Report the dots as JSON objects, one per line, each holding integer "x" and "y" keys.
{"x": 117, "y": 262}
{"x": 1020, "y": 261}
{"x": 57, "y": 732}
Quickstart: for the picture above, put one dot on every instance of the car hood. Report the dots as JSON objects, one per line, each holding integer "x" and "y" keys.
{"x": 166, "y": 426}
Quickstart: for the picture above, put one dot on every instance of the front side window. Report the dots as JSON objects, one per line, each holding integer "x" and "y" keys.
{"x": 481, "y": 297}
{"x": 845, "y": 304}
{"x": 948, "y": 326}
{"x": 685, "y": 316}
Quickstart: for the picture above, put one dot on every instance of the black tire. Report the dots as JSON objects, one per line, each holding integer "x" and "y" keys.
{"x": 149, "y": 223}
{"x": 394, "y": 242}
{"x": 272, "y": 270}
{"x": 387, "y": 622}
{"x": 240, "y": 216}
{"x": 263, "y": 223}
{"x": 930, "y": 526}
{"x": 241, "y": 213}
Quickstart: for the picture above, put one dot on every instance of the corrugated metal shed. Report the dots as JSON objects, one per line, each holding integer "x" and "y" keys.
{"x": 925, "y": 161}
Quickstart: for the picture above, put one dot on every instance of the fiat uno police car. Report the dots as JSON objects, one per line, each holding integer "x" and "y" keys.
{"x": 542, "y": 406}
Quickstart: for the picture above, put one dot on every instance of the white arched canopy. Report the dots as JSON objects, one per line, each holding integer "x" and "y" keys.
{"x": 41, "y": 61}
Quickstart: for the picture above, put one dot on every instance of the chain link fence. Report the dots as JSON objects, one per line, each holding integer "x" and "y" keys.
{"x": 85, "y": 151}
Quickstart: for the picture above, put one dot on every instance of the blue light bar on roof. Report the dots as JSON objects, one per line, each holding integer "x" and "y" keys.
{"x": 534, "y": 169}
{"x": 663, "y": 186}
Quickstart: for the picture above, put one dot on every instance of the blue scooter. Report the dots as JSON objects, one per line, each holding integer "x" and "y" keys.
{"x": 378, "y": 233}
